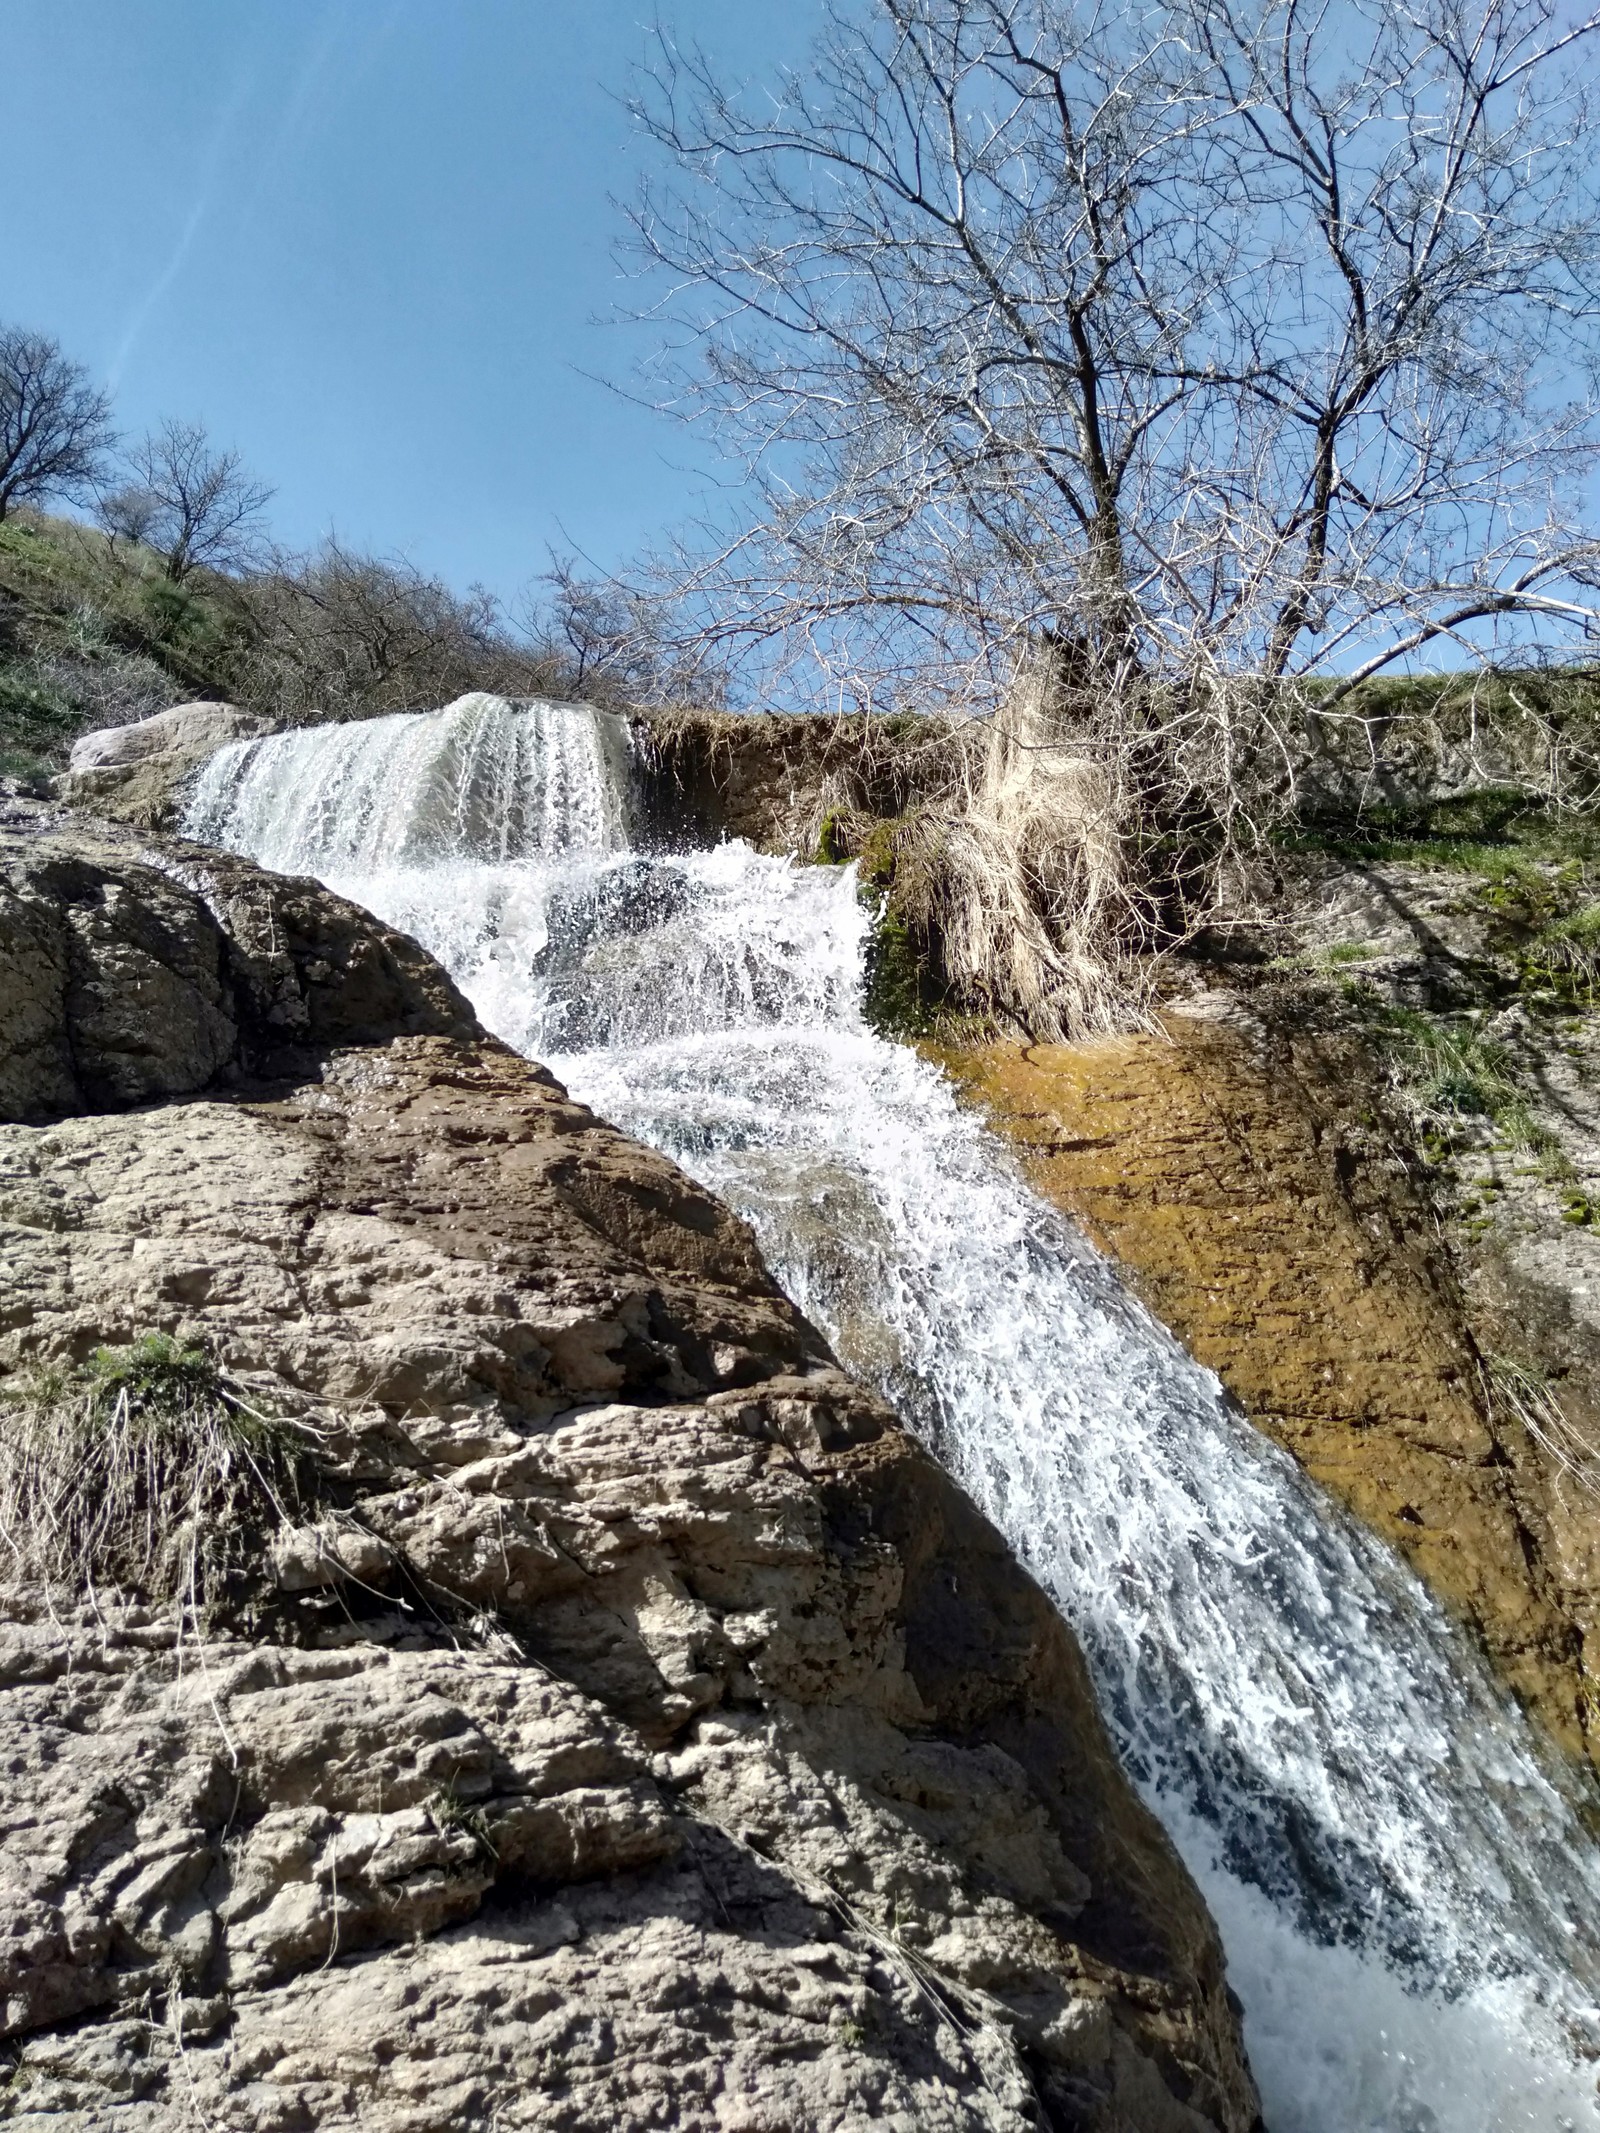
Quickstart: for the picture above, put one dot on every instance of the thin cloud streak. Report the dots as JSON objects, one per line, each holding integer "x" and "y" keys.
{"x": 209, "y": 166}
{"x": 325, "y": 43}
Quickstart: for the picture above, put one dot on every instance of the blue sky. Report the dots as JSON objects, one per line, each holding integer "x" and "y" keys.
{"x": 365, "y": 241}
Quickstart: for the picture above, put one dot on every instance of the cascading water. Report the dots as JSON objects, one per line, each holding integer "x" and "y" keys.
{"x": 1408, "y": 1900}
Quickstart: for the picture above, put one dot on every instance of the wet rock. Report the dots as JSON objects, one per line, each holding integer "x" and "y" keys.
{"x": 1240, "y": 1166}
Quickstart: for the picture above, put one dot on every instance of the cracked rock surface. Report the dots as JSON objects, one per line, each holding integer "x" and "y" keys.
{"x": 637, "y": 1729}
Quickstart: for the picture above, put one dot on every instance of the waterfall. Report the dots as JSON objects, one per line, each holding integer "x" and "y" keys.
{"x": 1409, "y": 1900}
{"x": 465, "y": 827}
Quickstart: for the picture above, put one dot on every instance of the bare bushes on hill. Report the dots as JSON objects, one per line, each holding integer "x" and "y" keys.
{"x": 339, "y": 635}
{"x": 96, "y": 630}
{"x": 179, "y": 593}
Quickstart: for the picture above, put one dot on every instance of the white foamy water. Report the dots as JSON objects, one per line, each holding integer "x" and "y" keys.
{"x": 1408, "y": 1902}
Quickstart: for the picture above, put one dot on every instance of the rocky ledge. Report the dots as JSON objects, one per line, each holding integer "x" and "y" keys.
{"x": 629, "y": 1725}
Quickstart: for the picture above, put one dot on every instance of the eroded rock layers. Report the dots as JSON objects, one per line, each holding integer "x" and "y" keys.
{"x": 633, "y": 1726}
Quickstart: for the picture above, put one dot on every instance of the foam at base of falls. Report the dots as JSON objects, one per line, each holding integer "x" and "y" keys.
{"x": 1407, "y": 1900}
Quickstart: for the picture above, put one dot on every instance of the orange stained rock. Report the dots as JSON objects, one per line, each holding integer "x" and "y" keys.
{"x": 1233, "y": 1175}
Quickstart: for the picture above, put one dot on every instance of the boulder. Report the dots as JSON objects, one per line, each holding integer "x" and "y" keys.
{"x": 136, "y": 968}
{"x": 138, "y": 773}
{"x": 189, "y": 729}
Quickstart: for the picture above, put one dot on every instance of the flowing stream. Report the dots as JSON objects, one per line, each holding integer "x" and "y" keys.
{"x": 1410, "y": 1907}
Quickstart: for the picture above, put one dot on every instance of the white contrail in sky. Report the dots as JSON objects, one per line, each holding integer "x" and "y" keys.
{"x": 140, "y": 316}
{"x": 338, "y": 17}
{"x": 324, "y": 43}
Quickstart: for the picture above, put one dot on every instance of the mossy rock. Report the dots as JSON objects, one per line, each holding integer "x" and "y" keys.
{"x": 901, "y": 997}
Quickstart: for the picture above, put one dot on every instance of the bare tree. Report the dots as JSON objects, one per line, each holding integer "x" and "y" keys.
{"x": 1220, "y": 347}
{"x": 194, "y": 505}
{"x": 340, "y": 634}
{"x": 55, "y": 424}
{"x": 607, "y": 641}
{"x": 1410, "y": 342}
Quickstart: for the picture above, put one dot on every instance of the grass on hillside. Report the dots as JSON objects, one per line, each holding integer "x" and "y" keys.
{"x": 93, "y": 634}
{"x": 1531, "y": 871}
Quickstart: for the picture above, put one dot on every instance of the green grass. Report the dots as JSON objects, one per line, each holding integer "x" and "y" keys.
{"x": 1523, "y": 714}
{"x": 452, "y": 1814}
{"x": 37, "y": 724}
{"x": 1451, "y": 1076}
{"x": 1563, "y": 957}
{"x": 91, "y": 633}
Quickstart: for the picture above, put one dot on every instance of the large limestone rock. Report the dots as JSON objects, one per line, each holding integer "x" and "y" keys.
{"x": 137, "y": 971}
{"x": 184, "y": 728}
{"x": 637, "y": 1728}
{"x": 138, "y": 772}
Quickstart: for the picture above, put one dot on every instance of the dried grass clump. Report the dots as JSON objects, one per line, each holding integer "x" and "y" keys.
{"x": 1526, "y": 1394}
{"x": 1568, "y": 952}
{"x": 1002, "y": 847}
{"x": 146, "y": 1470}
{"x": 1016, "y": 883}
{"x": 1036, "y": 919}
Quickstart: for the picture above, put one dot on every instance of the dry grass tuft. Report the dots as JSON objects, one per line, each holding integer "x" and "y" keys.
{"x": 1526, "y": 1394}
{"x": 1029, "y": 897}
{"x": 148, "y": 1471}
{"x": 1015, "y": 879}
{"x": 1001, "y": 846}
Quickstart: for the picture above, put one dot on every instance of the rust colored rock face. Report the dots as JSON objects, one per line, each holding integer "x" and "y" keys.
{"x": 1241, "y": 1176}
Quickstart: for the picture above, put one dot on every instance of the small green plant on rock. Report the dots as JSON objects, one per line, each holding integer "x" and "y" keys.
{"x": 452, "y": 1815}
{"x": 147, "y": 1469}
